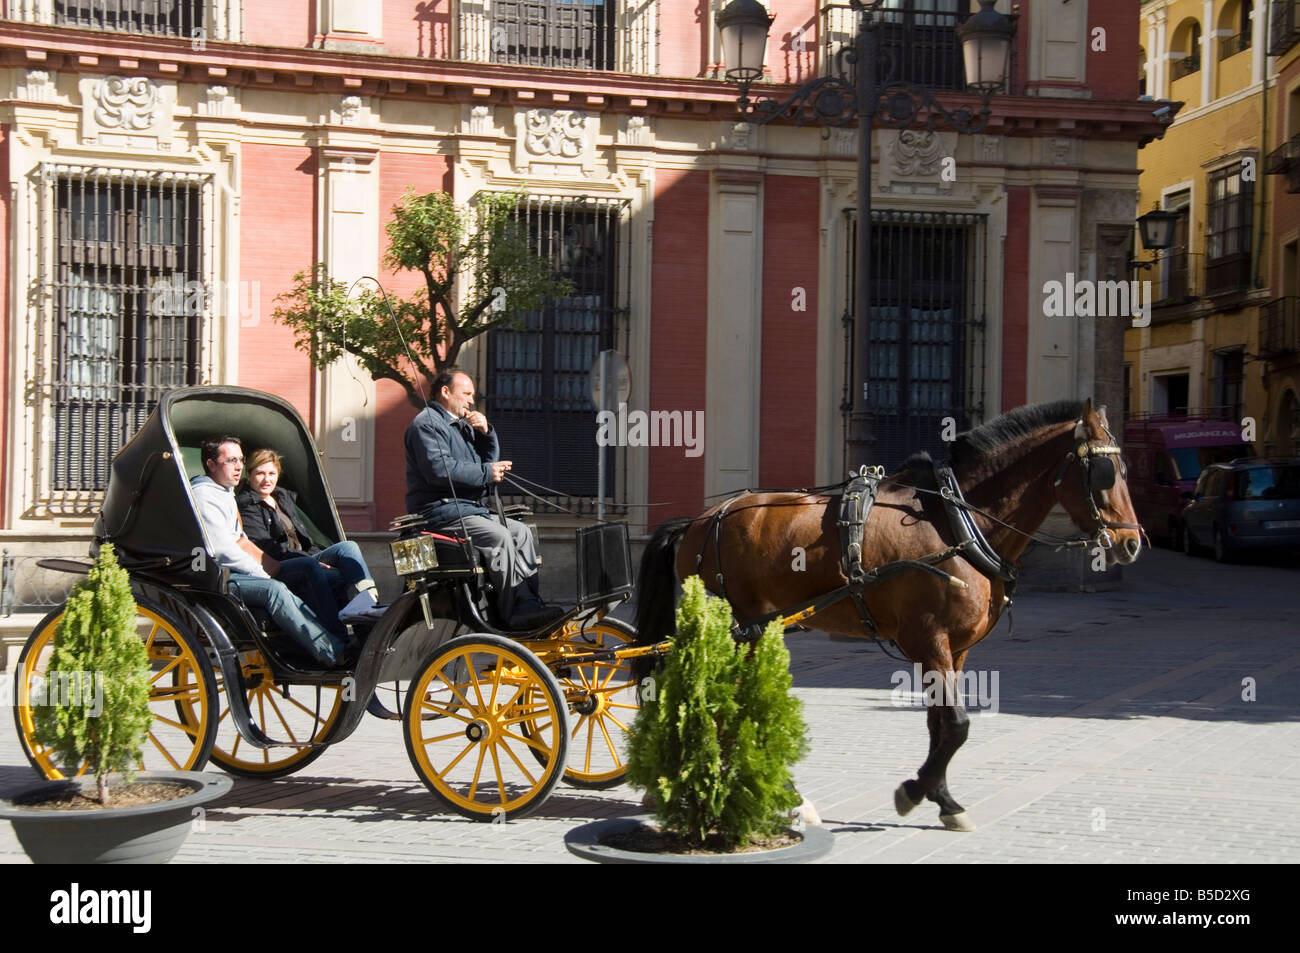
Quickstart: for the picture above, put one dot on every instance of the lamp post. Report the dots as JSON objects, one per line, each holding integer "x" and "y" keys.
{"x": 833, "y": 101}
{"x": 1156, "y": 229}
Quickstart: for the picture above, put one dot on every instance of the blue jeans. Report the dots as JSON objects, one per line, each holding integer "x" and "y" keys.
{"x": 324, "y": 588}
{"x": 289, "y": 614}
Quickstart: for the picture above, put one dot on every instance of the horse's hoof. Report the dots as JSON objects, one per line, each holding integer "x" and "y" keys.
{"x": 903, "y": 802}
{"x": 957, "y": 822}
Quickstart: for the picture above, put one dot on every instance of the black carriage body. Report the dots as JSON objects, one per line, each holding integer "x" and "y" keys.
{"x": 148, "y": 512}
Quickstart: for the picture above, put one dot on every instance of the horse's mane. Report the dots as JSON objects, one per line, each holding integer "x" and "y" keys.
{"x": 1002, "y": 432}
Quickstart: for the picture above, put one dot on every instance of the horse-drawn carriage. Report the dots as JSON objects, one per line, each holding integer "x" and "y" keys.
{"x": 492, "y": 721}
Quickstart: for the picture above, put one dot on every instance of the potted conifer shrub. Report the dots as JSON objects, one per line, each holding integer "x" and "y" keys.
{"x": 98, "y": 720}
{"x": 713, "y": 747}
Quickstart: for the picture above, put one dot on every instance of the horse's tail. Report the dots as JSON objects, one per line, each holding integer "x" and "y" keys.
{"x": 656, "y": 591}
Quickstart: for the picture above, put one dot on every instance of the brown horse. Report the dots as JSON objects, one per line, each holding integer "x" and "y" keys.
{"x": 769, "y": 552}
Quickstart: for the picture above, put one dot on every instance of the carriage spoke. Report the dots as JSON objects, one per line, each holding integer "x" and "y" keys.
{"x": 165, "y": 669}
{"x": 165, "y": 753}
{"x": 515, "y": 758}
{"x": 478, "y": 769}
{"x": 496, "y": 767}
{"x": 445, "y": 712}
{"x": 609, "y": 741}
{"x": 442, "y": 776}
{"x": 280, "y": 715}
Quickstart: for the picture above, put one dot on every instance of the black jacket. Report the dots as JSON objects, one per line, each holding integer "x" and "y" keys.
{"x": 440, "y": 456}
{"x": 263, "y": 526}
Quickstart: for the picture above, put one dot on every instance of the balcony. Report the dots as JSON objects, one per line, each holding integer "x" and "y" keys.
{"x": 1230, "y": 46}
{"x": 1284, "y": 27}
{"x": 917, "y": 44}
{"x": 1187, "y": 66}
{"x": 560, "y": 34}
{"x": 1174, "y": 278}
{"x": 1279, "y": 332}
{"x": 189, "y": 19}
{"x": 1285, "y": 160}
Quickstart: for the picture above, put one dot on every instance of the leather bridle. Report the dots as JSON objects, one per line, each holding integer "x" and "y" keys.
{"x": 1099, "y": 474}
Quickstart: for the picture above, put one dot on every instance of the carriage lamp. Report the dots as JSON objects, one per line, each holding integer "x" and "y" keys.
{"x": 844, "y": 95}
{"x": 414, "y": 555}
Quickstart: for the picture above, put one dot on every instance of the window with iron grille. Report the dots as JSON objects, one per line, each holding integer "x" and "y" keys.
{"x": 572, "y": 34}
{"x": 536, "y": 389}
{"x": 158, "y": 17}
{"x": 129, "y": 313}
{"x": 927, "y": 329}
{"x": 1228, "y": 233}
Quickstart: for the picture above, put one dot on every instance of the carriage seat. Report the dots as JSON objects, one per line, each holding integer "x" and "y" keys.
{"x": 456, "y": 554}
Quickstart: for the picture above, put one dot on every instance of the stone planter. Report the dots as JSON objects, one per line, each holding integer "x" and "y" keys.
{"x": 143, "y": 834}
{"x": 585, "y": 842}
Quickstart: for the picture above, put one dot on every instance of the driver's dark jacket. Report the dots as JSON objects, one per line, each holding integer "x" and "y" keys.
{"x": 264, "y": 528}
{"x": 441, "y": 455}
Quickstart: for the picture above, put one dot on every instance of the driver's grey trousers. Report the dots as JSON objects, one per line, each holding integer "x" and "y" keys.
{"x": 509, "y": 561}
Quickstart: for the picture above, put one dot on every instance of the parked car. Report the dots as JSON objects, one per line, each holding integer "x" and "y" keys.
{"x": 1252, "y": 503}
{"x": 1166, "y": 455}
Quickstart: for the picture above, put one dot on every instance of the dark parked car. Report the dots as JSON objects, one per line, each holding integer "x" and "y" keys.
{"x": 1250, "y": 503}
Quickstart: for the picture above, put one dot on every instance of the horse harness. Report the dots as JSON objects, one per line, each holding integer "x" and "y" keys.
{"x": 857, "y": 499}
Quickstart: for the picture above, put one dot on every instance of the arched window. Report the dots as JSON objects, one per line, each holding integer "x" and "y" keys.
{"x": 1186, "y": 48}
{"x": 1235, "y": 28}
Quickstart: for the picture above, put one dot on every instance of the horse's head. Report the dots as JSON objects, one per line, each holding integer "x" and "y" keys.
{"x": 1092, "y": 487}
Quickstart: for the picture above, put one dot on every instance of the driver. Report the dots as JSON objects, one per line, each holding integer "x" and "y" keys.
{"x": 452, "y": 457}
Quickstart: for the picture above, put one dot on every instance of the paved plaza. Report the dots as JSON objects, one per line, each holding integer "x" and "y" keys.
{"x": 1121, "y": 736}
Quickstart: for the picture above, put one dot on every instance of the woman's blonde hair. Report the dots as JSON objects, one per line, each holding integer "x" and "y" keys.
{"x": 259, "y": 457}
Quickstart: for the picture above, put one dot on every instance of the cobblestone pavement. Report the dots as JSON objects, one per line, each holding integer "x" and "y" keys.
{"x": 1121, "y": 736}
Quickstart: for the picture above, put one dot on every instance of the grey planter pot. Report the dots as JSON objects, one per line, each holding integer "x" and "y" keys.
{"x": 584, "y": 842}
{"x": 145, "y": 834}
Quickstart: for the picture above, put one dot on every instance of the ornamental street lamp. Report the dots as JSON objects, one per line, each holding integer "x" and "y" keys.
{"x": 1156, "y": 228}
{"x": 833, "y": 101}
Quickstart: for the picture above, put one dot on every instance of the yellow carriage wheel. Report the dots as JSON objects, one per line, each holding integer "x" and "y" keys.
{"x": 603, "y": 701}
{"x": 473, "y": 753}
{"x": 180, "y": 676}
{"x": 294, "y": 713}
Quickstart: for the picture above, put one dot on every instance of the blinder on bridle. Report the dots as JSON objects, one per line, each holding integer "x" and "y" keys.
{"x": 1100, "y": 475}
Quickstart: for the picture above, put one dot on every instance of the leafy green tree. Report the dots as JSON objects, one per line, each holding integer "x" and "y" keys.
{"x": 717, "y": 742}
{"x": 479, "y": 273}
{"x": 97, "y": 709}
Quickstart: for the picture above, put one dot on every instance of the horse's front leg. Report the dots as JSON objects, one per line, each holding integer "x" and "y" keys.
{"x": 949, "y": 725}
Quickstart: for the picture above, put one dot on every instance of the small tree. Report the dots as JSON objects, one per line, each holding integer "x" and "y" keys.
{"x": 101, "y": 715}
{"x": 480, "y": 257}
{"x": 717, "y": 741}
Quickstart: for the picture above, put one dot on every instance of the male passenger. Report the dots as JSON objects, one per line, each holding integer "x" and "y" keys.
{"x": 250, "y": 568}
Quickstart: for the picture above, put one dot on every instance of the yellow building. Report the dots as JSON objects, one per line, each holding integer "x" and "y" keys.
{"x": 1200, "y": 353}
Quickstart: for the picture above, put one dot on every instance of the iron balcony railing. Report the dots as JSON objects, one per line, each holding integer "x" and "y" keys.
{"x": 191, "y": 19}
{"x": 562, "y": 34}
{"x": 1232, "y": 45}
{"x": 918, "y": 44}
{"x": 1174, "y": 277}
{"x": 1284, "y": 27}
{"x": 1187, "y": 66}
{"x": 1285, "y": 160}
{"x": 1280, "y": 329}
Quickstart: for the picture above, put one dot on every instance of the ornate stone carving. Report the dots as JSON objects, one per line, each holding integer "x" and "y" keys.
{"x": 989, "y": 148}
{"x": 637, "y": 131}
{"x": 561, "y": 133}
{"x": 1060, "y": 151}
{"x": 559, "y": 143}
{"x": 127, "y": 104}
{"x": 917, "y": 152}
{"x": 843, "y": 142}
{"x": 350, "y": 108}
{"x": 740, "y": 135}
{"x": 480, "y": 120}
{"x": 217, "y": 101}
{"x": 39, "y": 87}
